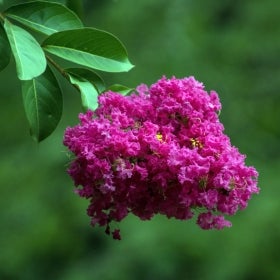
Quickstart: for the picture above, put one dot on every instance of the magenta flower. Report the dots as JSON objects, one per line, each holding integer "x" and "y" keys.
{"x": 161, "y": 150}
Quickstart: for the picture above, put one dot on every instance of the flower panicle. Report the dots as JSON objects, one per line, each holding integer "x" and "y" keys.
{"x": 161, "y": 150}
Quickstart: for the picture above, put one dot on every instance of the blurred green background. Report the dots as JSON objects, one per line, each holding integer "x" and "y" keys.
{"x": 231, "y": 46}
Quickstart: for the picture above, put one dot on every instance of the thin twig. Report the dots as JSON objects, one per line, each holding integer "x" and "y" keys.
{"x": 61, "y": 71}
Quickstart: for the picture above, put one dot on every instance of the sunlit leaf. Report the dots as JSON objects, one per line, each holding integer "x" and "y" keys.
{"x": 88, "y": 75}
{"x": 42, "y": 101}
{"x": 89, "y": 85}
{"x": 120, "y": 89}
{"x": 89, "y": 47}
{"x": 29, "y": 56}
{"x": 45, "y": 17}
{"x": 5, "y": 50}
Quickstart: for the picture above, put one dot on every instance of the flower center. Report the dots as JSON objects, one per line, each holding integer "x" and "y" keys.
{"x": 159, "y": 137}
{"x": 196, "y": 143}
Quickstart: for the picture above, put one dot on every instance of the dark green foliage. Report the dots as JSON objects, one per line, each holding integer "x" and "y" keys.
{"x": 44, "y": 17}
{"x": 66, "y": 38}
{"x": 5, "y": 50}
{"x": 42, "y": 100}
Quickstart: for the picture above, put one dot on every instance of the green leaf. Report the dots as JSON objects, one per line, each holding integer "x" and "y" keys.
{"x": 29, "y": 56}
{"x": 42, "y": 101}
{"x": 89, "y": 47}
{"x": 77, "y": 6}
{"x": 120, "y": 89}
{"x": 5, "y": 50}
{"x": 89, "y": 84}
{"x": 88, "y": 75}
{"x": 45, "y": 17}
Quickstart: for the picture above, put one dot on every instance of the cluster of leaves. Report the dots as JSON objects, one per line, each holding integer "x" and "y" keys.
{"x": 64, "y": 36}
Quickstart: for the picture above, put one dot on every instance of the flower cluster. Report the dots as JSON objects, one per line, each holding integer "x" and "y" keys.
{"x": 160, "y": 150}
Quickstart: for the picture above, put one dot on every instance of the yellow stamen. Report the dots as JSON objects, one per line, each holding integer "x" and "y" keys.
{"x": 196, "y": 143}
{"x": 159, "y": 137}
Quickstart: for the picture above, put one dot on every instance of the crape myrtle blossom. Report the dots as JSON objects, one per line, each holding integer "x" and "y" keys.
{"x": 160, "y": 150}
